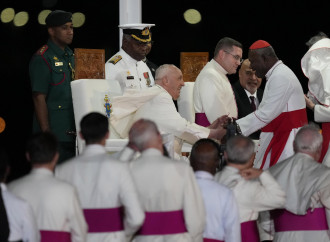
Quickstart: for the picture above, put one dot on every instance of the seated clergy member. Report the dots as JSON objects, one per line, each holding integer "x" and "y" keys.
{"x": 222, "y": 218}
{"x": 167, "y": 190}
{"x": 255, "y": 190}
{"x": 54, "y": 202}
{"x": 248, "y": 95}
{"x": 305, "y": 216}
{"x": 128, "y": 66}
{"x": 104, "y": 185}
{"x": 157, "y": 105}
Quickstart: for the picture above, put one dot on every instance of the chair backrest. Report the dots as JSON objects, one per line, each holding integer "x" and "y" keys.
{"x": 93, "y": 95}
{"x": 191, "y": 64}
{"x": 89, "y": 63}
{"x": 186, "y": 102}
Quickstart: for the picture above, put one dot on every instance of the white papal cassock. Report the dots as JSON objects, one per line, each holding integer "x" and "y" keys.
{"x": 155, "y": 104}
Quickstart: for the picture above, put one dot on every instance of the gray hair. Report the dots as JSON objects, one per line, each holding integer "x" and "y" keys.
{"x": 308, "y": 139}
{"x": 142, "y": 132}
{"x": 239, "y": 149}
{"x": 226, "y": 43}
{"x": 162, "y": 71}
{"x": 316, "y": 38}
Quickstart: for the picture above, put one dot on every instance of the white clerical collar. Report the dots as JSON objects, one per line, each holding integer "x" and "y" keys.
{"x": 219, "y": 67}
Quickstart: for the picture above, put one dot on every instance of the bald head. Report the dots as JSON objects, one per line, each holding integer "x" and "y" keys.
{"x": 144, "y": 134}
{"x": 205, "y": 156}
{"x": 170, "y": 78}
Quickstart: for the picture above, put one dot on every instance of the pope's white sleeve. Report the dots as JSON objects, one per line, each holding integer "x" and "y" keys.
{"x": 171, "y": 121}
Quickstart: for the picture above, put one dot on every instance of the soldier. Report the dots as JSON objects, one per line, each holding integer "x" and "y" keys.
{"x": 51, "y": 71}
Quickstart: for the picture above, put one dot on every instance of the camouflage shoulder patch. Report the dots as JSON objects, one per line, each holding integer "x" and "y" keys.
{"x": 114, "y": 60}
{"x": 42, "y": 50}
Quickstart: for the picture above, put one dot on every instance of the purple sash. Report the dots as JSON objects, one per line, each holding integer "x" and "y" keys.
{"x": 249, "y": 231}
{"x": 55, "y": 236}
{"x": 201, "y": 119}
{"x": 286, "y": 221}
{"x": 212, "y": 240}
{"x": 103, "y": 220}
{"x": 163, "y": 223}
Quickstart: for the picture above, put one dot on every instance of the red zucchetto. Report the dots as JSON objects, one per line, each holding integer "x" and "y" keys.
{"x": 259, "y": 44}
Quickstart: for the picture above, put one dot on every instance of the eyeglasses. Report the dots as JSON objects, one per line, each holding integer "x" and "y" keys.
{"x": 236, "y": 57}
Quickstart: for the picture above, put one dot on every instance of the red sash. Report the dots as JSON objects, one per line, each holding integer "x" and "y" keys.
{"x": 249, "y": 231}
{"x": 281, "y": 128}
{"x": 212, "y": 240}
{"x": 163, "y": 223}
{"x": 201, "y": 119}
{"x": 103, "y": 220}
{"x": 55, "y": 236}
{"x": 311, "y": 221}
{"x": 326, "y": 140}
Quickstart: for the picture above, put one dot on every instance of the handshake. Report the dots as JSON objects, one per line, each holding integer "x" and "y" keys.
{"x": 223, "y": 128}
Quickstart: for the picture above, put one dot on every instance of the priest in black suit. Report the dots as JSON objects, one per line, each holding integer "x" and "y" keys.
{"x": 248, "y": 95}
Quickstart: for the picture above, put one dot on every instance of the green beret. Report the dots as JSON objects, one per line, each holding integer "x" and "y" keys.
{"x": 58, "y": 18}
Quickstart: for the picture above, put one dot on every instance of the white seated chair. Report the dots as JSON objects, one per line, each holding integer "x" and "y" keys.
{"x": 186, "y": 108}
{"x": 186, "y": 102}
{"x": 89, "y": 95}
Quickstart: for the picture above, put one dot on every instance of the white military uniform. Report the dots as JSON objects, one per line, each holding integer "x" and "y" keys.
{"x": 316, "y": 66}
{"x": 22, "y": 224}
{"x": 306, "y": 184}
{"x": 103, "y": 182}
{"x": 283, "y": 95}
{"x": 130, "y": 73}
{"x": 54, "y": 202}
{"x": 166, "y": 185}
{"x": 252, "y": 196}
{"x": 157, "y": 105}
{"x": 213, "y": 94}
{"x": 222, "y": 217}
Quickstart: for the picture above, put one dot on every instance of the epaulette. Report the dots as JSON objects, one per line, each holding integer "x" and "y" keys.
{"x": 42, "y": 50}
{"x": 114, "y": 60}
